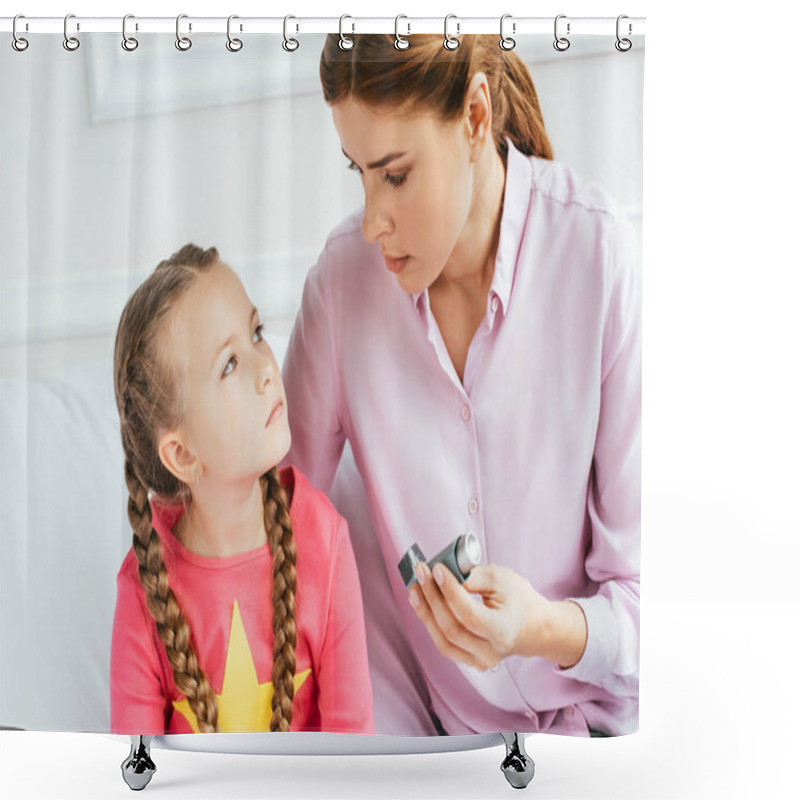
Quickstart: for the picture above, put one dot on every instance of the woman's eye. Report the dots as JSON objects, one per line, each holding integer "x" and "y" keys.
{"x": 258, "y": 334}
{"x": 354, "y": 167}
{"x": 229, "y": 366}
{"x": 395, "y": 180}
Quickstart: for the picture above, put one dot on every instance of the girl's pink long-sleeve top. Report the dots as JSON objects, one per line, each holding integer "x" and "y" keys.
{"x": 538, "y": 451}
{"x": 228, "y": 604}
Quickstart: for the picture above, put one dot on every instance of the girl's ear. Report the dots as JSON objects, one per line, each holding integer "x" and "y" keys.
{"x": 177, "y": 458}
{"x": 478, "y": 113}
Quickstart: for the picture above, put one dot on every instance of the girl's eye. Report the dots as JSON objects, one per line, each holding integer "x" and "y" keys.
{"x": 230, "y": 364}
{"x": 395, "y": 180}
{"x": 354, "y": 167}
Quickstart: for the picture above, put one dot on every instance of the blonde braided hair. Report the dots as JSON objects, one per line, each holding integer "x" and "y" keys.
{"x": 148, "y": 401}
{"x": 284, "y": 589}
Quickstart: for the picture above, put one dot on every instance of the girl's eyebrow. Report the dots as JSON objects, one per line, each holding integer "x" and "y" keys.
{"x": 253, "y": 313}
{"x": 381, "y": 162}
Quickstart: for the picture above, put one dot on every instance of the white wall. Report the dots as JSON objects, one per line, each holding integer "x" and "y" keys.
{"x": 112, "y": 160}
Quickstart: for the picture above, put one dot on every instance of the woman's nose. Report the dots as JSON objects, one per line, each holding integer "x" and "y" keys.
{"x": 376, "y": 221}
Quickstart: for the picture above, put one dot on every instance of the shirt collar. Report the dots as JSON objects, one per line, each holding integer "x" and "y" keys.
{"x": 165, "y": 514}
{"x": 516, "y": 198}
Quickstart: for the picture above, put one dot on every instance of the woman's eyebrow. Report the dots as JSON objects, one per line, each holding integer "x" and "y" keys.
{"x": 381, "y": 162}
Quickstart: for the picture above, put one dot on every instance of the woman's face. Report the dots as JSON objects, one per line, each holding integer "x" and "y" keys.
{"x": 415, "y": 170}
{"x": 235, "y": 420}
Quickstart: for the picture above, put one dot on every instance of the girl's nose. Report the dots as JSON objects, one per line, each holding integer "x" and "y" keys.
{"x": 376, "y": 221}
{"x": 265, "y": 372}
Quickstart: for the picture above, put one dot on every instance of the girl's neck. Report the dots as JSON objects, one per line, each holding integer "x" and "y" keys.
{"x": 221, "y": 523}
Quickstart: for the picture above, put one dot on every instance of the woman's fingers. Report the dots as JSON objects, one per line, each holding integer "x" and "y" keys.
{"x": 472, "y": 615}
{"x": 452, "y": 637}
{"x": 494, "y": 614}
{"x": 443, "y": 644}
{"x": 482, "y": 579}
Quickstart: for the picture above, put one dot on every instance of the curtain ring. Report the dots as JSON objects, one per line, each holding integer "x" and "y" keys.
{"x": 70, "y": 42}
{"x": 128, "y": 42}
{"x": 561, "y": 43}
{"x": 623, "y": 45}
{"x": 18, "y": 43}
{"x": 400, "y": 42}
{"x": 233, "y": 45}
{"x": 181, "y": 42}
{"x": 289, "y": 45}
{"x": 345, "y": 42}
{"x": 451, "y": 42}
{"x": 507, "y": 42}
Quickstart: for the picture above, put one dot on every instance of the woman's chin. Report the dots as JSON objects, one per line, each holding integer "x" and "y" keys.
{"x": 411, "y": 284}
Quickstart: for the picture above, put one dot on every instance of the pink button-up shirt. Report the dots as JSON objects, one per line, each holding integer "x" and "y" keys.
{"x": 537, "y": 452}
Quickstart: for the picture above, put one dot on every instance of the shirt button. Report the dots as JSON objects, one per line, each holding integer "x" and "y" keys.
{"x": 472, "y": 506}
{"x": 495, "y": 304}
{"x": 529, "y": 714}
{"x": 465, "y": 413}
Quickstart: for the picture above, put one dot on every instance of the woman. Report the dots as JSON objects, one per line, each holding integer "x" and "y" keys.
{"x": 474, "y": 333}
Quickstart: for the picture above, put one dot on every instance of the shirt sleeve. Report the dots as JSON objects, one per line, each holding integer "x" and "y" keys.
{"x": 138, "y": 704}
{"x": 345, "y": 690}
{"x": 611, "y": 657}
{"x": 311, "y": 379}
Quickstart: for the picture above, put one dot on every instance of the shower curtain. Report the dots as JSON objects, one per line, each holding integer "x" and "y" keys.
{"x": 114, "y": 160}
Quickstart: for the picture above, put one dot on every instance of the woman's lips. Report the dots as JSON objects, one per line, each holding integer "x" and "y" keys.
{"x": 277, "y": 410}
{"x": 394, "y": 264}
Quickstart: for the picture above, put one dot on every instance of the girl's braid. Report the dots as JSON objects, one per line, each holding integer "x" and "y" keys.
{"x": 284, "y": 586}
{"x": 163, "y": 606}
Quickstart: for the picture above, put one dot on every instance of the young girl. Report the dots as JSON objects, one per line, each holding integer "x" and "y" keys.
{"x": 238, "y": 606}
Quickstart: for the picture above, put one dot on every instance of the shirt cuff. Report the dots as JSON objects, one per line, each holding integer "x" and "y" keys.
{"x": 602, "y": 642}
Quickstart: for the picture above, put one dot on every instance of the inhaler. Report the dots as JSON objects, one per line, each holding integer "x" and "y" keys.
{"x": 460, "y": 556}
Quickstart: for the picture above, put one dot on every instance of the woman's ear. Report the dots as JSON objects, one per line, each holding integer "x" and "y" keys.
{"x": 478, "y": 113}
{"x": 177, "y": 457}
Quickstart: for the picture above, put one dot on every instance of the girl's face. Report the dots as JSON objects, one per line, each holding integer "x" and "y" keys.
{"x": 235, "y": 425}
{"x": 417, "y": 182}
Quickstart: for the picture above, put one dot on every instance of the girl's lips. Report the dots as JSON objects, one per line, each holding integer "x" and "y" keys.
{"x": 277, "y": 410}
{"x": 395, "y": 264}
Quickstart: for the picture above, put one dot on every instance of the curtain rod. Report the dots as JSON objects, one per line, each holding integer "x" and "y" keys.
{"x": 296, "y": 25}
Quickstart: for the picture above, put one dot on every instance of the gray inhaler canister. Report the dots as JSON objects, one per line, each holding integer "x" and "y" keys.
{"x": 460, "y": 556}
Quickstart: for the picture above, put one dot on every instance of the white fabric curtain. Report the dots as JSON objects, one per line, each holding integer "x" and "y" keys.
{"x": 110, "y": 162}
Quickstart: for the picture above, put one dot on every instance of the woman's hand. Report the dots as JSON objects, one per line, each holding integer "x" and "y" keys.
{"x": 512, "y": 619}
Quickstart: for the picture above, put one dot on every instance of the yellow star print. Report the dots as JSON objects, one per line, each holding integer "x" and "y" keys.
{"x": 245, "y": 705}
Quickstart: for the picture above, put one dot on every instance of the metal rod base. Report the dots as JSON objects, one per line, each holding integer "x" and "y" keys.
{"x": 138, "y": 768}
{"x": 517, "y": 766}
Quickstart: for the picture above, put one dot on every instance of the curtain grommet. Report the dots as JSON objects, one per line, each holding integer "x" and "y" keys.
{"x": 289, "y": 45}
{"x": 561, "y": 43}
{"x": 400, "y": 42}
{"x": 507, "y": 42}
{"x": 183, "y": 43}
{"x": 623, "y": 45}
{"x": 345, "y": 42}
{"x": 70, "y": 43}
{"x": 19, "y": 43}
{"x": 233, "y": 44}
{"x": 129, "y": 43}
{"x": 451, "y": 42}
